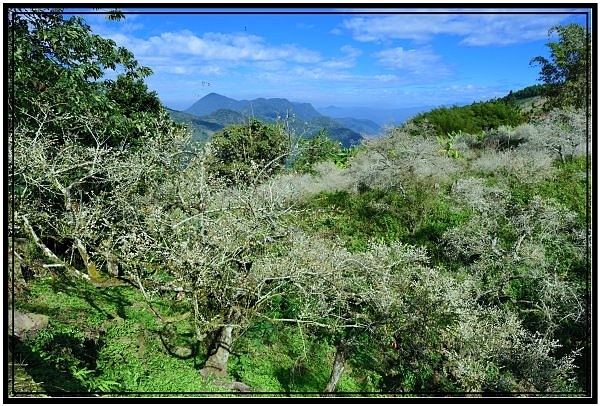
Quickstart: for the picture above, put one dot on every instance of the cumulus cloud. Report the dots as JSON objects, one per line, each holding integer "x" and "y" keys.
{"x": 348, "y": 60}
{"x": 231, "y": 47}
{"x": 402, "y": 26}
{"x": 389, "y": 68}
{"x": 385, "y": 78}
{"x": 422, "y": 62}
{"x": 505, "y": 30}
{"x": 350, "y": 51}
{"x": 475, "y": 29}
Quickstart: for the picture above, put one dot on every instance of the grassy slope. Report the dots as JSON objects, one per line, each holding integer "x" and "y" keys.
{"x": 104, "y": 340}
{"x": 109, "y": 340}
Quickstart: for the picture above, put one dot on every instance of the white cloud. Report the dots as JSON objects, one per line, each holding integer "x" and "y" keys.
{"x": 350, "y": 51}
{"x": 235, "y": 47}
{"x": 494, "y": 30}
{"x": 385, "y": 78}
{"x": 242, "y": 62}
{"x": 402, "y": 26}
{"x": 345, "y": 62}
{"x": 272, "y": 65}
{"x": 190, "y": 69}
{"x": 476, "y": 29}
{"x": 419, "y": 62}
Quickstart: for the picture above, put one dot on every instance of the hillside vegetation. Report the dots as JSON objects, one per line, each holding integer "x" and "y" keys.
{"x": 424, "y": 262}
{"x": 301, "y": 119}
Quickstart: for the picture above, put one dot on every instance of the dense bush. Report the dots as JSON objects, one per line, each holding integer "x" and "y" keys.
{"x": 246, "y": 153}
{"x": 562, "y": 133}
{"x": 319, "y": 148}
{"x": 512, "y": 249}
{"x": 471, "y": 119}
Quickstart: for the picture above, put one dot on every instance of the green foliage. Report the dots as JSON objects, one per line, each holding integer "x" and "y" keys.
{"x": 64, "y": 116}
{"x": 528, "y": 255}
{"x": 106, "y": 340}
{"x": 320, "y": 148}
{"x": 417, "y": 215}
{"x": 139, "y": 360}
{"x": 249, "y": 152}
{"x": 570, "y": 187}
{"x": 280, "y": 359}
{"x": 351, "y": 217}
{"x": 471, "y": 119}
{"x": 132, "y": 96}
{"x": 524, "y": 94}
{"x": 292, "y": 359}
{"x": 447, "y": 144}
{"x": 59, "y": 358}
{"x": 568, "y": 184}
{"x": 65, "y": 356}
{"x": 566, "y": 74}
{"x": 58, "y": 62}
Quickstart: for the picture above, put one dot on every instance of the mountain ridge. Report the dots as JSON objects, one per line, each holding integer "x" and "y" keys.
{"x": 304, "y": 119}
{"x": 381, "y": 116}
{"x": 269, "y": 107}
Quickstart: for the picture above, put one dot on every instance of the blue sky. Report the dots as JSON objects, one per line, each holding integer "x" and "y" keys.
{"x": 349, "y": 58}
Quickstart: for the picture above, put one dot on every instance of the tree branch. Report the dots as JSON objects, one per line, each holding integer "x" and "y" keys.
{"x": 47, "y": 250}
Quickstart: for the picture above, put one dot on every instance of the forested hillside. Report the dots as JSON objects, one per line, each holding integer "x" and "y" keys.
{"x": 431, "y": 261}
{"x": 301, "y": 119}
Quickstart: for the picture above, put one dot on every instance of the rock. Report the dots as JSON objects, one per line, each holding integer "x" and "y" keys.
{"x": 26, "y": 325}
{"x": 242, "y": 387}
{"x": 239, "y": 386}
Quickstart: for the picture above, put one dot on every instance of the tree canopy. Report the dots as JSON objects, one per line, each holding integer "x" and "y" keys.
{"x": 472, "y": 118}
{"x": 57, "y": 62}
{"x": 70, "y": 127}
{"x": 567, "y": 72}
{"x": 248, "y": 152}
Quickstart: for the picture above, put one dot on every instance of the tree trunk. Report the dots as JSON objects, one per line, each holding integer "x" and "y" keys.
{"x": 87, "y": 262}
{"x": 338, "y": 368}
{"x": 216, "y": 363}
{"x": 47, "y": 251}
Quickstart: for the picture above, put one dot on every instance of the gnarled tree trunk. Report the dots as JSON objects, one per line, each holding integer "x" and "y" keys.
{"x": 338, "y": 368}
{"x": 216, "y": 363}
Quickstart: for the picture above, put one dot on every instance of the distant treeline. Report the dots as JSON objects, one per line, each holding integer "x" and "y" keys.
{"x": 480, "y": 116}
{"x": 526, "y": 93}
{"x": 472, "y": 119}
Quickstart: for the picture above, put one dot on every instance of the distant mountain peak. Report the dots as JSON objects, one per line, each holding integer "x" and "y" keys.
{"x": 259, "y": 107}
{"x": 216, "y": 108}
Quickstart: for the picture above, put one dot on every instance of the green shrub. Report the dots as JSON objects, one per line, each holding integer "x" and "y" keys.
{"x": 471, "y": 119}
{"x": 243, "y": 153}
{"x": 320, "y": 148}
{"x": 280, "y": 358}
{"x": 419, "y": 214}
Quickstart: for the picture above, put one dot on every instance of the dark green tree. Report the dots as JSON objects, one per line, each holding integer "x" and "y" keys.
{"x": 567, "y": 72}
{"x": 56, "y": 61}
{"x": 525, "y": 93}
{"x": 320, "y": 148}
{"x": 472, "y": 119}
{"x": 68, "y": 126}
{"x": 244, "y": 153}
